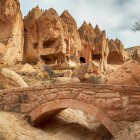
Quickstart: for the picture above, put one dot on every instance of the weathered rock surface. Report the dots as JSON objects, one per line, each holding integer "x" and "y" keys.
{"x": 50, "y": 37}
{"x": 11, "y": 32}
{"x": 131, "y": 132}
{"x": 117, "y": 54}
{"x": 56, "y": 40}
{"x": 11, "y": 79}
{"x": 28, "y": 70}
{"x": 127, "y": 74}
{"x": 68, "y": 73}
{"x": 134, "y": 53}
{"x": 95, "y": 46}
{"x": 84, "y": 71}
{"x": 14, "y": 127}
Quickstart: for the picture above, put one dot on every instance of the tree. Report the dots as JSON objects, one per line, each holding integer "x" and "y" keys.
{"x": 136, "y": 26}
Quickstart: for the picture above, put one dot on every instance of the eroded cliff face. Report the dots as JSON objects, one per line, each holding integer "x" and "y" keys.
{"x": 56, "y": 40}
{"x": 117, "y": 54}
{"x": 11, "y": 32}
{"x": 50, "y": 37}
{"x": 96, "y": 46}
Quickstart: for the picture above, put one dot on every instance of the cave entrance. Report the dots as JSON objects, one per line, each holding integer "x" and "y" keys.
{"x": 82, "y": 60}
{"x": 48, "y": 59}
{"x": 35, "y": 45}
{"x": 56, "y": 58}
{"x": 96, "y": 57}
{"x": 49, "y": 43}
{"x": 114, "y": 58}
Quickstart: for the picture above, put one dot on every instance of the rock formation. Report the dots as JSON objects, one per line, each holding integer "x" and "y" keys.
{"x": 136, "y": 55}
{"x": 86, "y": 70}
{"x": 11, "y": 32}
{"x": 53, "y": 39}
{"x": 127, "y": 74}
{"x": 117, "y": 54}
{"x": 10, "y": 79}
{"x": 50, "y": 37}
{"x": 56, "y": 40}
{"x": 95, "y": 46}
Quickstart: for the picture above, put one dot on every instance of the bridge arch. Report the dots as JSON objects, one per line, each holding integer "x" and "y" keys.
{"x": 47, "y": 109}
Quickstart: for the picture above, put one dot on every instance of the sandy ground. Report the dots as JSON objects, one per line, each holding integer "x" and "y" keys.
{"x": 131, "y": 132}
{"x": 14, "y": 127}
{"x": 62, "y": 127}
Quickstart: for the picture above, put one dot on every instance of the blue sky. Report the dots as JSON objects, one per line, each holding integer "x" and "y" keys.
{"x": 114, "y": 16}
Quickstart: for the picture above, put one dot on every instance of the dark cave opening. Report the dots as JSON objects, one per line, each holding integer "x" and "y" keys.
{"x": 82, "y": 60}
{"x": 96, "y": 57}
{"x": 48, "y": 43}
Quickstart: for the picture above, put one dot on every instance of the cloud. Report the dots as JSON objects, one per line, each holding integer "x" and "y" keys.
{"x": 114, "y": 16}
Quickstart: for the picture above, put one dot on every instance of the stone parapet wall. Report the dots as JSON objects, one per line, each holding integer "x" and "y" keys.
{"x": 120, "y": 103}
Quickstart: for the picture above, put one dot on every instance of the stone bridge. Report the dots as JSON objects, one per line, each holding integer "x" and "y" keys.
{"x": 109, "y": 104}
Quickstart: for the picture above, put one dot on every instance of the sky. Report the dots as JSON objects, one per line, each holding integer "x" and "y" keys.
{"x": 115, "y": 16}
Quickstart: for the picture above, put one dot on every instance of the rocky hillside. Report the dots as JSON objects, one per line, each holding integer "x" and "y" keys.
{"x": 134, "y": 53}
{"x": 130, "y": 51}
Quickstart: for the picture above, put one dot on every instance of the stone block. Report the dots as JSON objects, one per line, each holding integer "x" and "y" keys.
{"x": 16, "y": 108}
{"x": 52, "y": 97}
{"x": 115, "y": 115}
{"x": 25, "y": 108}
{"x": 114, "y": 103}
{"x": 132, "y": 113}
{"x": 35, "y": 104}
{"x": 42, "y": 99}
{"x": 103, "y": 91}
{"x": 74, "y": 94}
{"x": 84, "y": 98}
{"x": 64, "y": 95}
{"x": 135, "y": 99}
{"x": 89, "y": 92}
{"x": 108, "y": 95}
{"x": 24, "y": 97}
{"x": 125, "y": 101}
{"x": 15, "y": 99}
{"x": 40, "y": 87}
{"x": 8, "y": 107}
{"x": 7, "y": 99}
{"x": 99, "y": 103}
{"x": 18, "y": 89}
{"x": 32, "y": 97}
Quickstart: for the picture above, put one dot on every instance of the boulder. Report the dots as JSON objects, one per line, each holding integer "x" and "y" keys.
{"x": 82, "y": 72}
{"x": 68, "y": 73}
{"x": 50, "y": 37}
{"x": 11, "y": 79}
{"x": 127, "y": 74}
{"x": 66, "y": 80}
{"x": 28, "y": 69}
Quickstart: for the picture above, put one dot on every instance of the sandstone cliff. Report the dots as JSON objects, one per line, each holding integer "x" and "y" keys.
{"x": 53, "y": 39}
{"x": 11, "y": 32}
{"x": 56, "y": 40}
{"x": 95, "y": 46}
{"x": 50, "y": 37}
